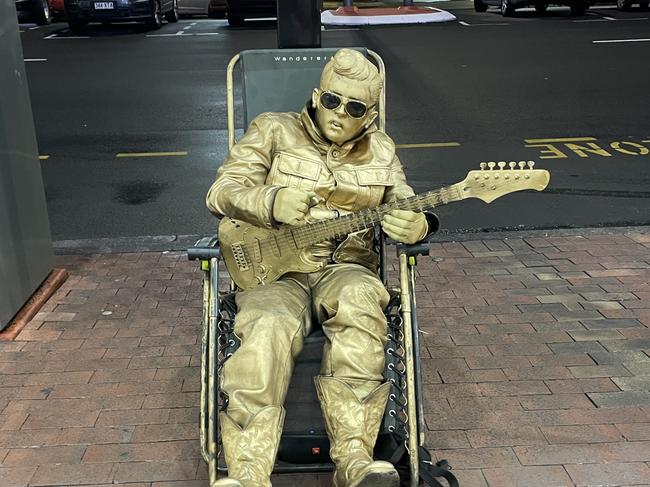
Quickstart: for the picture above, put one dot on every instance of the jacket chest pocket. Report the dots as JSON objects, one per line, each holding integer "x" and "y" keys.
{"x": 372, "y": 183}
{"x": 293, "y": 172}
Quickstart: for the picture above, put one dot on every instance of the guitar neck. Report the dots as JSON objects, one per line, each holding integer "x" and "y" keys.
{"x": 338, "y": 228}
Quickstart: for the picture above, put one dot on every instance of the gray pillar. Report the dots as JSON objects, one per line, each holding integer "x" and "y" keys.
{"x": 26, "y": 256}
{"x": 298, "y": 23}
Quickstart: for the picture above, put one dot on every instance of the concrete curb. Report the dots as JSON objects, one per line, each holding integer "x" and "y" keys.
{"x": 174, "y": 243}
{"x": 330, "y": 17}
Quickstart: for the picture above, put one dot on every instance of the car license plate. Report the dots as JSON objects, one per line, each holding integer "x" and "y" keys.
{"x": 104, "y": 6}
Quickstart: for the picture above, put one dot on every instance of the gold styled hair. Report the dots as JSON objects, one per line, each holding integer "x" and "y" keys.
{"x": 351, "y": 64}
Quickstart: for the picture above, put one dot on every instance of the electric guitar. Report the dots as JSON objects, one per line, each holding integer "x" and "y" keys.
{"x": 255, "y": 256}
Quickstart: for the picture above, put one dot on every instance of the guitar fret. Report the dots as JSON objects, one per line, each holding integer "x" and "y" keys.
{"x": 340, "y": 227}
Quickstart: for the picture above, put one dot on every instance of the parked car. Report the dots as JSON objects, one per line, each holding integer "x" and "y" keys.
{"x": 627, "y": 4}
{"x": 508, "y": 7}
{"x": 215, "y": 9}
{"x": 37, "y": 11}
{"x": 57, "y": 9}
{"x": 80, "y": 12}
{"x": 240, "y": 10}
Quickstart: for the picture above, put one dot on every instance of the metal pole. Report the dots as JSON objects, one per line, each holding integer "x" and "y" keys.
{"x": 299, "y": 24}
{"x": 348, "y": 3}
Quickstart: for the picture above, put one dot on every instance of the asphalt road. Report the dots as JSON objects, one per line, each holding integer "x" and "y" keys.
{"x": 484, "y": 88}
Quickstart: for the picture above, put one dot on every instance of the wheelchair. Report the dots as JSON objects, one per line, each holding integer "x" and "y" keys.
{"x": 304, "y": 445}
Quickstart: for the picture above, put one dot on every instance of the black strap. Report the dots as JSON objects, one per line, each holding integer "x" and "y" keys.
{"x": 429, "y": 471}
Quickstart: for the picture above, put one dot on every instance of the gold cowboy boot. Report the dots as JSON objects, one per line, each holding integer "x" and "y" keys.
{"x": 250, "y": 451}
{"x": 352, "y": 426}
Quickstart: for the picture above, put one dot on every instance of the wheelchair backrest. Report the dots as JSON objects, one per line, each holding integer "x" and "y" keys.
{"x": 282, "y": 80}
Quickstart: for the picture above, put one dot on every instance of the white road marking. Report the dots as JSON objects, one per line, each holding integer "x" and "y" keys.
{"x": 489, "y": 23}
{"x": 35, "y": 60}
{"x": 188, "y": 27}
{"x": 166, "y": 35}
{"x": 34, "y": 28}
{"x": 609, "y": 18}
{"x": 463, "y": 23}
{"x": 322, "y": 27}
{"x": 611, "y": 41}
{"x": 207, "y": 34}
{"x": 56, "y": 36}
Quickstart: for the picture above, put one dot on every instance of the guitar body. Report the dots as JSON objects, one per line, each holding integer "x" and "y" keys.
{"x": 256, "y": 256}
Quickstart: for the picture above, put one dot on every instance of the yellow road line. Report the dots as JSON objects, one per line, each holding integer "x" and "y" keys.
{"x": 560, "y": 139}
{"x": 43, "y": 158}
{"x": 151, "y": 154}
{"x": 424, "y": 146}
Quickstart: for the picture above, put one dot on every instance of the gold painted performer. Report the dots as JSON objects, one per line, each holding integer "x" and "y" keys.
{"x": 289, "y": 167}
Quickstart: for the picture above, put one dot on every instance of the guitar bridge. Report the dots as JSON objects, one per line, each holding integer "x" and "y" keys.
{"x": 240, "y": 256}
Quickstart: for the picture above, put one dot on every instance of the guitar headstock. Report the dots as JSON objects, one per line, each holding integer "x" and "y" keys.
{"x": 493, "y": 180}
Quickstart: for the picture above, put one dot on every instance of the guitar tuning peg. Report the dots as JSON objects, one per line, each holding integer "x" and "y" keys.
{"x": 512, "y": 164}
{"x": 522, "y": 164}
{"x": 491, "y": 165}
{"x": 483, "y": 165}
{"x": 531, "y": 164}
{"x": 502, "y": 164}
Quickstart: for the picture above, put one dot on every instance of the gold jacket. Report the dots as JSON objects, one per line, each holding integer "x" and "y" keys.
{"x": 287, "y": 149}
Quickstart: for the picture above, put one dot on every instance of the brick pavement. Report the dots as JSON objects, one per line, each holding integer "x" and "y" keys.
{"x": 535, "y": 357}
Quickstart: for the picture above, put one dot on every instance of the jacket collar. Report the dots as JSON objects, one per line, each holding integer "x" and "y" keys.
{"x": 307, "y": 117}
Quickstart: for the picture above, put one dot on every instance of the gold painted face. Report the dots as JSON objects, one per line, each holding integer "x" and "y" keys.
{"x": 340, "y": 123}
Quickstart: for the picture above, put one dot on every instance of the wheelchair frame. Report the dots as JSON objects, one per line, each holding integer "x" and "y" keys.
{"x": 403, "y": 421}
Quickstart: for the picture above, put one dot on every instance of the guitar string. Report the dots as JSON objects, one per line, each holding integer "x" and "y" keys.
{"x": 306, "y": 235}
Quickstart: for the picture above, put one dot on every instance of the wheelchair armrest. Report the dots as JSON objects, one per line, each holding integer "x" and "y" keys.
{"x": 205, "y": 249}
{"x": 420, "y": 248}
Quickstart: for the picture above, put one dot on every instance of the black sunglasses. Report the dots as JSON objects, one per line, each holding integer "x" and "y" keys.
{"x": 332, "y": 101}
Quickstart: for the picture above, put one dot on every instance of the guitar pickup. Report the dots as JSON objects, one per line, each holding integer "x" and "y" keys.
{"x": 240, "y": 256}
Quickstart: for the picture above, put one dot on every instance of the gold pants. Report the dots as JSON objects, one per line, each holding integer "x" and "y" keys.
{"x": 271, "y": 322}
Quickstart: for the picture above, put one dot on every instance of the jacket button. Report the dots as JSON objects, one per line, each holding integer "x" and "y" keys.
{"x": 335, "y": 153}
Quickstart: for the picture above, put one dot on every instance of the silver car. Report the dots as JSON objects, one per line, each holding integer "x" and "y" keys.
{"x": 215, "y": 9}
{"x": 508, "y": 7}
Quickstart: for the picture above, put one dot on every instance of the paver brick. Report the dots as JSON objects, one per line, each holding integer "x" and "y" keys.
{"x": 155, "y": 471}
{"x": 537, "y": 373}
{"x": 505, "y": 436}
{"x": 611, "y": 323}
{"x": 54, "y": 419}
{"x": 573, "y": 386}
{"x": 609, "y": 474}
{"x": 96, "y": 436}
{"x": 551, "y": 476}
{"x": 44, "y": 455}
{"x": 637, "y": 451}
{"x": 620, "y": 399}
{"x": 71, "y": 474}
{"x": 634, "y": 431}
{"x": 595, "y": 433}
{"x": 513, "y": 388}
{"x": 641, "y": 383}
{"x": 132, "y": 417}
{"x": 623, "y": 357}
{"x": 586, "y": 371}
{"x": 16, "y": 476}
{"x": 29, "y": 438}
{"x": 143, "y": 452}
{"x": 480, "y": 457}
